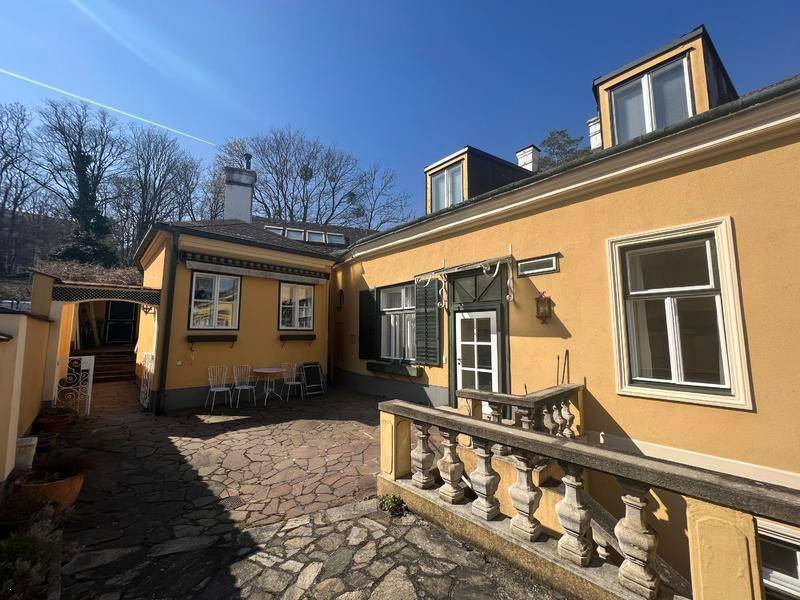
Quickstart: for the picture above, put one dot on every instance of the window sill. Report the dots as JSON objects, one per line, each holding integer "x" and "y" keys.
{"x": 193, "y": 339}
{"x": 686, "y": 396}
{"x": 303, "y": 337}
{"x": 395, "y": 368}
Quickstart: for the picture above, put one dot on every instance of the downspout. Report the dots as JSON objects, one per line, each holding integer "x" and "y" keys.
{"x": 162, "y": 372}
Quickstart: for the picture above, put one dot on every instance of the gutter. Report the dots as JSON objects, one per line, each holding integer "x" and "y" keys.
{"x": 158, "y": 407}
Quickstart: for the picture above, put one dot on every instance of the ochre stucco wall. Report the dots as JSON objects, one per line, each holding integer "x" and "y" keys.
{"x": 11, "y": 357}
{"x": 751, "y": 187}
{"x": 33, "y": 372}
{"x": 258, "y": 341}
{"x": 154, "y": 265}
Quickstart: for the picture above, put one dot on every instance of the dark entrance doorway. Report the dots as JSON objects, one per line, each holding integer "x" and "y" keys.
{"x": 120, "y": 325}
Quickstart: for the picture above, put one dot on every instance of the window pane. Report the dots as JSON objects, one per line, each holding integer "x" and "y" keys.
{"x": 294, "y": 234}
{"x": 669, "y": 94}
{"x": 700, "y": 351}
{"x": 649, "y": 343}
{"x": 203, "y": 287}
{"x": 467, "y": 330}
{"x": 287, "y": 316}
{"x": 483, "y": 328}
{"x": 315, "y": 236}
{"x": 468, "y": 379}
{"x": 484, "y": 357}
{"x": 485, "y": 381}
{"x": 454, "y": 185}
{"x": 410, "y": 296}
{"x": 438, "y": 200}
{"x": 779, "y": 558}
{"x": 397, "y": 335}
{"x": 386, "y": 336}
{"x": 468, "y": 355}
{"x": 391, "y": 298}
{"x": 275, "y": 230}
{"x": 201, "y": 313}
{"x": 411, "y": 336}
{"x": 335, "y": 238}
{"x": 628, "y": 111}
{"x": 679, "y": 266}
{"x": 228, "y": 289}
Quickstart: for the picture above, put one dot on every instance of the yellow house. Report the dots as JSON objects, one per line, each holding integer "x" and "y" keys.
{"x": 659, "y": 272}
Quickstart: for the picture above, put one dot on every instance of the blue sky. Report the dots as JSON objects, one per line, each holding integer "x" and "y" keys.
{"x": 401, "y": 83}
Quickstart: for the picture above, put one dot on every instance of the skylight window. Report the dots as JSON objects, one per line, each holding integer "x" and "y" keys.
{"x": 295, "y": 234}
{"x": 336, "y": 238}
{"x": 275, "y": 230}
{"x": 315, "y": 236}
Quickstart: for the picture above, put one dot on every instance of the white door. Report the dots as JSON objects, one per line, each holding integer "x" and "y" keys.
{"x": 476, "y": 351}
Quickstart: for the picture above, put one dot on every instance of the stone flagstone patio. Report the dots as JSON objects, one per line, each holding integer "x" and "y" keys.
{"x": 254, "y": 503}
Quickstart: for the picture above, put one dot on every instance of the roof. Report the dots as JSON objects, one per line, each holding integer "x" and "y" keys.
{"x": 746, "y": 102}
{"x": 241, "y": 232}
{"x": 352, "y": 234}
{"x": 476, "y": 151}
{"x": 82, "y": 273}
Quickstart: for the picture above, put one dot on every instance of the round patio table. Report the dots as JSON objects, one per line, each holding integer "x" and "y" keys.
{"x": 269, "y": 380}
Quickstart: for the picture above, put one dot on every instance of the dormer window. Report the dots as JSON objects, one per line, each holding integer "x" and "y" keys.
{"x": 275, "y": 230}
{"x": 656, "y": 99}
{"x": 295, "y": 234}
{"x": 336, "y": 238}
{"x": 446, "y": 188}
{"x": 315, "y": 236}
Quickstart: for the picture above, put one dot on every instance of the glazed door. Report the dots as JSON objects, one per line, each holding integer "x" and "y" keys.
{"x": 476, "y": 351}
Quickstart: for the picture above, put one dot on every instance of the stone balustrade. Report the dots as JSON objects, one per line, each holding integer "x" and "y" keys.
{"x": 534, "y": 442}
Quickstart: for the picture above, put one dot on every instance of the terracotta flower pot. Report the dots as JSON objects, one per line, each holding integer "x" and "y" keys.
{"x": 47, "y": 441}
{"x": 55, "y": 423}
{"x": 61, "y": 491}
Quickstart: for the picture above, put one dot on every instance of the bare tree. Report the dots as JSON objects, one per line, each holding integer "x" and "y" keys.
{"x": 302, "y": 179}
{"x": 379, "y": 204}
{"x": 189, "y": 189}
{"x": 148, "y": 190}
{"x": 78, "y": 151}
{"x": 16, "y": 186}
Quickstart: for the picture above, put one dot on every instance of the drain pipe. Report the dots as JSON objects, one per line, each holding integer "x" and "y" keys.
{"x": 162, "y": 372}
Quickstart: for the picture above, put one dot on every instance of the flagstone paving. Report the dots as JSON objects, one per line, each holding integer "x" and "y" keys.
{"x": 254, "y": 503}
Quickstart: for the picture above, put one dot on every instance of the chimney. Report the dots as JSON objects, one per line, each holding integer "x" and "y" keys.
{"x": 528, "y": 158}
{"x": 595, "y": 135}
{"x": 239, "y": 187}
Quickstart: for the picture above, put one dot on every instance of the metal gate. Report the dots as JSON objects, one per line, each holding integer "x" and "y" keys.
{"x": 148, "y": 366}
{"x": 75, "y": 389}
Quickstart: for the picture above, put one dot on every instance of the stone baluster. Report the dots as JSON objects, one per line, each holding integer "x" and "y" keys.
{"x": 484, "y": 481}
{"x": 422, "y": 458}
{"x": 496, "y": 417}
{"x": 573, "y": 514}
{"x": 547, "y": 420}
{"x": 525, "y": 497}
{"x": 637, "y": 542}
{"x": 525, "y": 417}
{"x": 558, "y": 419}
{"x": 568, "y": 417}
{"x": 451, "y": 468}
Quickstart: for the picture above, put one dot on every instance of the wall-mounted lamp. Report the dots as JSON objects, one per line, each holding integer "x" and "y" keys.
{"x": 146, "y": 309}
{"x": 544, "y": 308}
{"x": 340, "y": 299}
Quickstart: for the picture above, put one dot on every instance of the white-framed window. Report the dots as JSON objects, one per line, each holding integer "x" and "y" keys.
{"x": 315, "y": 236}
{"x": 677, "y": 320}
{"x": 538, "y": 266}
{"x": 336, "y": 238}
{"x": 446, "y": 187}
{"x": 275, "y": 230}
{"x": 215, "y": 301}
{"x": 297, "y": 306}
{"x": 654, "y": 100}
{"x": 295, "y": 234}
{"x": 780, "y": 560}
{"x": 398, "y": 322}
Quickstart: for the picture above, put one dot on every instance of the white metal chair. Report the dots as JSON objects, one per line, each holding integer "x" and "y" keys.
{"x": 242, "y": 382}
{"x": 292, "y": 379}
{"x": 217, "y": 382}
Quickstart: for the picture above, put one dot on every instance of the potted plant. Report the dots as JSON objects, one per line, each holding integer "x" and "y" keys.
{"x": 56, "y": 419}
{"x": 52, "y": 480}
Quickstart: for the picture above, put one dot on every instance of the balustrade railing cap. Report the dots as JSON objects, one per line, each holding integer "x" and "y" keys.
{"x": 524, "y": 400}
{"x": 745, "y": 495}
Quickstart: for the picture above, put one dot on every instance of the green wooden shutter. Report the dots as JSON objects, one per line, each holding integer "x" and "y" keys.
{"x": 368, "y": 342}
{"x": 427, "y": 323}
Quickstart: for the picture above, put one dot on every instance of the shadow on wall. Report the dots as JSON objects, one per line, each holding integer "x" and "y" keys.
{"x": 532, "y": 327}
{"x": 667, "y": 510}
